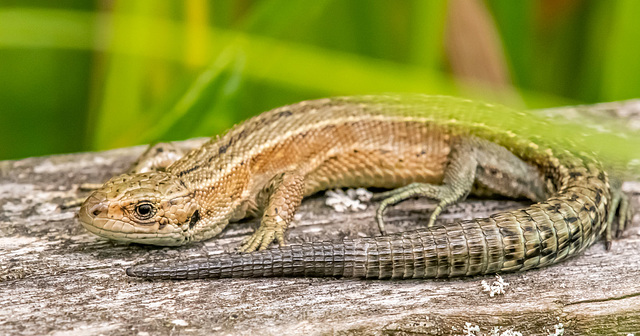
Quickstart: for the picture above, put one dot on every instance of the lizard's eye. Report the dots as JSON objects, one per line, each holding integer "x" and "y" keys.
{"x": 145, "y": 210}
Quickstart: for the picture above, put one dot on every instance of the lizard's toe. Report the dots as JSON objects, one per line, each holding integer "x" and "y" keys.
{"x": 252, "y": 242}
{"x": 625, "y": 214}
{"x": 261, "y": 240}
{"x": 267, "y": 239}
{"x": 280, "y": 238}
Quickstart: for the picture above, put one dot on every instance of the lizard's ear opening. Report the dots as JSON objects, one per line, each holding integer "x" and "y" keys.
{"x": 195, "y": 218}
{"x": 184, "y": 211}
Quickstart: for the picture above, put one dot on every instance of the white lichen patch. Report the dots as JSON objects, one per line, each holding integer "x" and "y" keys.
{"x": 471, "y": 330}
{"x": 352, "y": 199}
{"x": 559, "y": 330}
{"x": 509, "y": 332}
{"x": 496, "y": 288}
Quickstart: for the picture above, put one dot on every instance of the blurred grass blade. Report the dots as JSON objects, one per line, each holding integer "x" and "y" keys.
{"x": 38, "y": 28}
{"x": 195, "y": 36}
{"x": 276, "y": 17}
{"x": 427, "y": 32}
{"x": 189, "y": 99}
{"x": 514, "y": 20}
{"x": 120, "y": 99}
{"x": 621, "y": 78}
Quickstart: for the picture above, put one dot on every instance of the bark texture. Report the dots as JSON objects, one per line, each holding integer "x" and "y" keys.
{"x": 56, "y": 278}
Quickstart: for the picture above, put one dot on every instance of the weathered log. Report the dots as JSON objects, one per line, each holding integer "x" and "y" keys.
{"x": 57, "y": 278}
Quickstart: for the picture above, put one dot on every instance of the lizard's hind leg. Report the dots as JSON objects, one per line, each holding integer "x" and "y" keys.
{"x": 625, "y": 214}
{"x": 620, "y": 205}
{"x": 457, "y": 183}
{"x": 471, "y": 160}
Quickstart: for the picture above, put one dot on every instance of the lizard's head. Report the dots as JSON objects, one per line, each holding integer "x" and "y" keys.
{"x": 148, "y": 208}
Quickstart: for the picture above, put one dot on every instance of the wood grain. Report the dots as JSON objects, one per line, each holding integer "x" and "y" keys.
{"x": 56, "y": 278}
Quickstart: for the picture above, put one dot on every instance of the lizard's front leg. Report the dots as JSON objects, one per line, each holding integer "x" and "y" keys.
{"x": 157, "y": 157}
{"x": 284, "y": 194}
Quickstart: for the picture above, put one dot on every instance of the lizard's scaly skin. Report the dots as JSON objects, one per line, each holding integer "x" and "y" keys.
{"x": 267, "y": 164}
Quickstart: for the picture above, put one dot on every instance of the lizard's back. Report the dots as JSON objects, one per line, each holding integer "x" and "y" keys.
{"x": 342, "y": 143}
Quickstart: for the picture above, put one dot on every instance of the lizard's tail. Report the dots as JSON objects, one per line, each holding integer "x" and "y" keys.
{"x": 317, "y": 259}
{"x": 465, "y": 248}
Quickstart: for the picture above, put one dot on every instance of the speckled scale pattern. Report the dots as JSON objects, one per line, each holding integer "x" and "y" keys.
{"x": 368, "y": 142}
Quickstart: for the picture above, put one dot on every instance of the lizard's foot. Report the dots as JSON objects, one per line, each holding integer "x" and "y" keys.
{"x": 285, "y": 191}
{"x": 443, "y": 194}
{"x": 619, "y": 205}
{"x": 625, "y": 214}
{"x": 263, "y": 237}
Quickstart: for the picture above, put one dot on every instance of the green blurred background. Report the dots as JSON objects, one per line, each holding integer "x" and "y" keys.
{"x": 82, "y": 75}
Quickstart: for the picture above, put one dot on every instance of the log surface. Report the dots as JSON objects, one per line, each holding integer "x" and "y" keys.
{"x": 56, "y": 278}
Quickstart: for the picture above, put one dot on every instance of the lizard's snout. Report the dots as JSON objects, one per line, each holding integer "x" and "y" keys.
{"x": 92, "y": 208}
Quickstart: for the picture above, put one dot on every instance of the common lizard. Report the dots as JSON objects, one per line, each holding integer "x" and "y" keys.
{"x": 266, "y": 165}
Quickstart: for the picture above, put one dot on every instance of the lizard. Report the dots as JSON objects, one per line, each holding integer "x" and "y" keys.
{"x": 266, "y": 165}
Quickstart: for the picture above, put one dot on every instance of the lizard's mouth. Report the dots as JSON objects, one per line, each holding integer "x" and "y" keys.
{"x": 94, "y": 216}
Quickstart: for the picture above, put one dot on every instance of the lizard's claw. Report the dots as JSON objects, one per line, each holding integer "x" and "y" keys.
{"x": 619, "y": 205}
{"x": 261, "y": 239}
{"x": 389, "y": 198}
{"x": 625, "y": 214}
{"x": 445, "y": 195}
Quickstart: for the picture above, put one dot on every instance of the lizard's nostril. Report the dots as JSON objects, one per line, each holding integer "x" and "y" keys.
{"x": 97, "y": 209}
